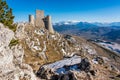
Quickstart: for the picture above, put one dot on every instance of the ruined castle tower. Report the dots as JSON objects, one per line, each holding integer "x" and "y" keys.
{"x": 31, "y": 19}
{"x": 39, "y": 18}
{"x": 41, "y": 21}
{"x": 48, "y": 24}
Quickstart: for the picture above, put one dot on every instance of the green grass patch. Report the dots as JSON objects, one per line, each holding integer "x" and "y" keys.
{"x": 13, "y": 42}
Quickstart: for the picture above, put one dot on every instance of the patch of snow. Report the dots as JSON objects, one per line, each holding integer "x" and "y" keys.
{"x": 68, "y": 61}
{"x": 74, "y": 22}
{"x": 113, "y": 46}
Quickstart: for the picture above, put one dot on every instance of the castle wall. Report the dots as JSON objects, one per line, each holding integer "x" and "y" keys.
{"x": 39, "y": 18}
{"x": 48, "y": 24}
{"x": 31, "y": 19}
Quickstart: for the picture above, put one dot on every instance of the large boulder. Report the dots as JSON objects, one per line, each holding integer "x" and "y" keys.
{"x": 84, "y": 65}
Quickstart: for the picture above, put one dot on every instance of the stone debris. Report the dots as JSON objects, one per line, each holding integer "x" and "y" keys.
{"x": 63, "y": 69}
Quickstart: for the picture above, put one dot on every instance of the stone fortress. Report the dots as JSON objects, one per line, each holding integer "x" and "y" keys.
{"x": 41, "y": 21}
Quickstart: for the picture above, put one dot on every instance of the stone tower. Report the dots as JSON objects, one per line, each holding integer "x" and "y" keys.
{"x": 39, "y": 18}
{"x": 41, "y": 21}
{"x": 48, "y": 24}
{"x": 31, "y": 19}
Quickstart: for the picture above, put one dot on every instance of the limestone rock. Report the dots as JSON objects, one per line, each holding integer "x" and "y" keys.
{"x": 19, "y": 33}
{"x": 11, "y": 59}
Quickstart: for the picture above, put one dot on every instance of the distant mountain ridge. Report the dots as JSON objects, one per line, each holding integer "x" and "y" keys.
{"x": 96, "y": 30}
{"x": 105, "y": 24}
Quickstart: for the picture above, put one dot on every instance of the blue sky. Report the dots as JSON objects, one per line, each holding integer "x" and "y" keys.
{"x": 67, "y": 10}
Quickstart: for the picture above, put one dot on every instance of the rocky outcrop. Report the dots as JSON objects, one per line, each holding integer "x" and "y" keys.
{"x": 80, "y": 70}
{"x": 11, "y": 59}
{"x": 20, "y": 34}
{"x": 64, "y": 69}
{"x": 84, "y": 65}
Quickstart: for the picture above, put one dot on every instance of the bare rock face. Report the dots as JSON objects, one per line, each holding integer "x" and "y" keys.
{"x": 20, "y": 34}
{"x": 6, "y": 36}
{"x": 11, "y": 64}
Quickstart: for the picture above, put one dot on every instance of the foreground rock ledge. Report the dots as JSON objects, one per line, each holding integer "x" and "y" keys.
{"x": 11, "y": 65}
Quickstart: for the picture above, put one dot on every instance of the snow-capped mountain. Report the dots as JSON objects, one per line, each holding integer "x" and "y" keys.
{"x": 66, "y": 23}
{"x": 99, "y": 24}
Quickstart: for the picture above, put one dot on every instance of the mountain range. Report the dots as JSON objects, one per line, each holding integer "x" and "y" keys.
{"x": 96, "y": 30}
